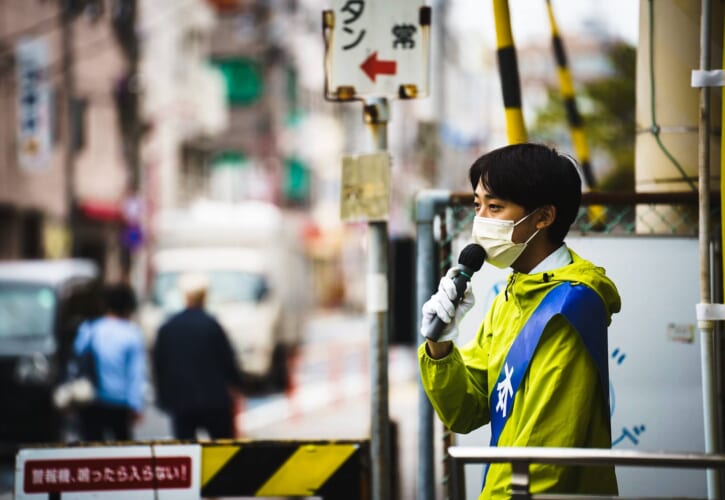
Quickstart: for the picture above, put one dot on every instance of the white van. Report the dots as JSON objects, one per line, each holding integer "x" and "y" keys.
{"x": 254, "y": 280}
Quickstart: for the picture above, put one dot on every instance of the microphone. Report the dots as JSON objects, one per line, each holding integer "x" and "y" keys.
{"x": 469, "y": 261}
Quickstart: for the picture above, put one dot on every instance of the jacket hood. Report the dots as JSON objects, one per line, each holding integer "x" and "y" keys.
{"x": 580, "y": 271}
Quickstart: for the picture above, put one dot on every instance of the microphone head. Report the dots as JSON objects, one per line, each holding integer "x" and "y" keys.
{"x": 472, "y": 256}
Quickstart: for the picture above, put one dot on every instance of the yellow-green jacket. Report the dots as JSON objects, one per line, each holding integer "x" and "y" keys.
{"x": 560, "y": 401}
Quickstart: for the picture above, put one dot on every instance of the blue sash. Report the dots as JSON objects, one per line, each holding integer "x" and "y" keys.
{"x": 584, "y": 309}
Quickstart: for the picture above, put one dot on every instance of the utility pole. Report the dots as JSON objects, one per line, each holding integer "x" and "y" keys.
{"x": 376, "y": 114}
{"x": 127, "y": 103}
{"x": 67, "y": 15}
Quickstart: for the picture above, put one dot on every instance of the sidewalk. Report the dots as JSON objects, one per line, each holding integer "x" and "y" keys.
{"x": 350, "y": 418}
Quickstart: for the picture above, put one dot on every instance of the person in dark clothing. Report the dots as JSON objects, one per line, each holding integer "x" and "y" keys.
{"x": 195, "y": 368}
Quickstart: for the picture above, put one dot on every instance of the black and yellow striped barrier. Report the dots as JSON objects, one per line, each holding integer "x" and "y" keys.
{"x": 326, "y": 469}
{"x": 191, "y": 470}
{"x": 596, "y": 213}
{"x": 509, "y": 72}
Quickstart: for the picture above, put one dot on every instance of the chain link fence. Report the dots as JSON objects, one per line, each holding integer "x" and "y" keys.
{"x": 600, "y": 214}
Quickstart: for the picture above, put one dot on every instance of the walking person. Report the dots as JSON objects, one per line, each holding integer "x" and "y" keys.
{"x": 537, "y": 368}
{"x": 118, "y": 349}
{"x": 195, "y": 368}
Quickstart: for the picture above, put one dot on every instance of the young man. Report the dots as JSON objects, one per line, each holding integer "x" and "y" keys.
{"x": 537, "y": 368}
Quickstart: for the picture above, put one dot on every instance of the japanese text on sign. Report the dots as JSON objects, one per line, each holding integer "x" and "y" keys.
{"x": 402, "y": 34}
{"x": 355, "y": 9}
{"x": 34, "y": 127}
{"x": 378, "y": 48}
{"x": 99, "y": 474}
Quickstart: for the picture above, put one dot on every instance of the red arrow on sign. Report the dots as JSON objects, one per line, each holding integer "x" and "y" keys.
{"x": 374, "y": 67}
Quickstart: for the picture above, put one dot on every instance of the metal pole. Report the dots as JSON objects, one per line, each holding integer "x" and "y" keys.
{"x": 509, "y": 73}
{"x": 706, "y": 327}
{"x": 376, "y": 114}
{"x": 67, "y": 61}
{"x": 426, "y": 272}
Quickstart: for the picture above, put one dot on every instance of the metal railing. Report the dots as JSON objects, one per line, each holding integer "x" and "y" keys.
{"x": 521, "y": 458}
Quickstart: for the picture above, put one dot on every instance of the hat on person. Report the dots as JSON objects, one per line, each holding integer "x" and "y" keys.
{"x": 193, "y": 283}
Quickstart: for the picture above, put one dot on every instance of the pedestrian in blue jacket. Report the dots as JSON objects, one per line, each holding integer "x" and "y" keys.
{"x": 120, "y": 358}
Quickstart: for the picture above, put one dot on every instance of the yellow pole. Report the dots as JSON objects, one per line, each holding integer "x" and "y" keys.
{"x": 509, "y": 72}
{"x": 566, "y": 85}
{"x": 596, "y": 213}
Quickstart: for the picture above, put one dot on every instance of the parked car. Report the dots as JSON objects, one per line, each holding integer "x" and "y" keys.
{"x": 41, "y": 305}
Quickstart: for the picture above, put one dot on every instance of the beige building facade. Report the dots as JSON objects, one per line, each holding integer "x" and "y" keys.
{"x": 61, "y": 150}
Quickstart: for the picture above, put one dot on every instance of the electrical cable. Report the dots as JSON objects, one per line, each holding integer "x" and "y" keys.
{"x": 655, "y": 129}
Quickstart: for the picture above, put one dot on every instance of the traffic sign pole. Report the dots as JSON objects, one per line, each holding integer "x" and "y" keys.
{"x": 376, "y": 50}
{"x": 376, "y": 114}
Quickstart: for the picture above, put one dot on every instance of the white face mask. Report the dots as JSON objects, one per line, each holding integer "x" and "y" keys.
{"x": 496, "y": 238}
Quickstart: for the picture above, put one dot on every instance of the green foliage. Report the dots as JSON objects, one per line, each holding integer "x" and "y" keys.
{"x": 607, "y": 106}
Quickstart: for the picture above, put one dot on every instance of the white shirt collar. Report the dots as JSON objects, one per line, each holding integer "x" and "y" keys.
{"x": 556, "y": 259}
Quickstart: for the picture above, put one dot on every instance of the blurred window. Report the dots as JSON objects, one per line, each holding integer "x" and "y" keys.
{"x": 224, "y": 287}
{"x": 243, "y": 78}
{"x": 26, "y": 311}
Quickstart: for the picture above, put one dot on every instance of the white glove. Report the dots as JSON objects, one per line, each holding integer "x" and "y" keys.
{"x": 442, "y": 305}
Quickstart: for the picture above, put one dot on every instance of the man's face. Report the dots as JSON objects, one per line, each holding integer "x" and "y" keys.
{"x": 488, "y": 205}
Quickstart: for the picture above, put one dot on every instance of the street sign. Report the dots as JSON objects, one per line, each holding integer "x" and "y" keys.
{"x": 365, "y": 193}
{"x": 34, "y": 113}
{"x": 113, "y": 472}
{"x": 376, "y": 48}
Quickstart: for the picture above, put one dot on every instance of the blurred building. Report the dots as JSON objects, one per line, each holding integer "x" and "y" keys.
{"x": 182, "y": 98}
{"x": 232, "y": 116}
{"x": 66, "y": 165}
{"x": 219, "y": 94}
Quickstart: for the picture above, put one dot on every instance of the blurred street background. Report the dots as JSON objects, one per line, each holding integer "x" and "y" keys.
{"x": 148, "y": 138}
{"x": 125, "y": 117}
{"x": 330, "y": 398}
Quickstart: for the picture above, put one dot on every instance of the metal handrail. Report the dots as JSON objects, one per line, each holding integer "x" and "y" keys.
{"x": 520, "y": 458}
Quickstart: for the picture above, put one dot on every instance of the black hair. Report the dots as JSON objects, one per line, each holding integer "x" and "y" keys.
{"x": 532, "y": 175}
{"x": 120, "y": 299}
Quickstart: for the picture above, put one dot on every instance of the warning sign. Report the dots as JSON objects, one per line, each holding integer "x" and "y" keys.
{"x": 130, "y": 471}
{"x": 376, "y": 48}
{"x": 103, "y": 474}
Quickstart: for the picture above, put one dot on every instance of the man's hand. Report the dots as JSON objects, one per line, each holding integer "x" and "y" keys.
{"x": 442, "y": 305}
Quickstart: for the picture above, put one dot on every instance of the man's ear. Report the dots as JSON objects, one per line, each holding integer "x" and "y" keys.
{"x": 546, "y": 216}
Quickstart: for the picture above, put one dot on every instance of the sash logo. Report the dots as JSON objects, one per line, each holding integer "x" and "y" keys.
{"x": 505, "y": 390}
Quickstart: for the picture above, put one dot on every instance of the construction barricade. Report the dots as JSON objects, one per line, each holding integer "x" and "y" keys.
{"x": 195, "y": 469}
